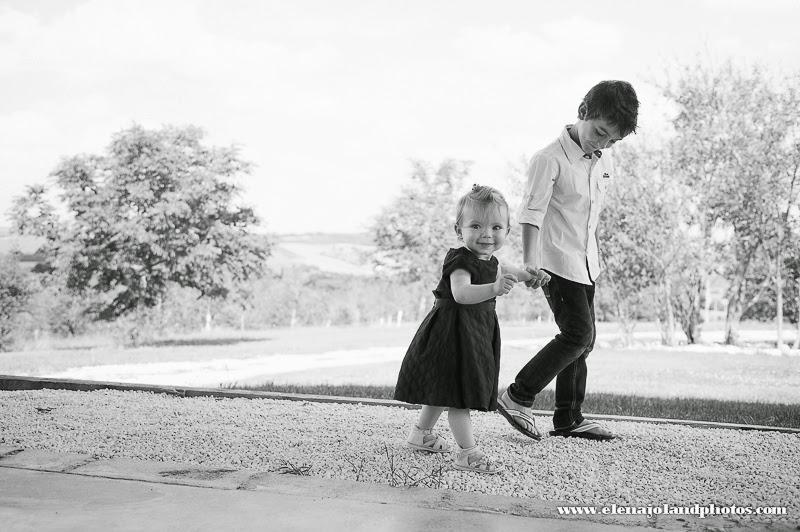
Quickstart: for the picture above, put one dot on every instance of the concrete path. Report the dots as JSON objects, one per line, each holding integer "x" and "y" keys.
{"x": 48, "y": 491}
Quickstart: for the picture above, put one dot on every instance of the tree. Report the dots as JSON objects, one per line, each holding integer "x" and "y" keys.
{"x": 158, "y": 207}
{"x": 792, "y": 265}
{"x": 637, "y": 238}
{"x": 788, "y": 239}
{"x": 767, "y": 309}
{"x": 413, "y": 233}
{"x": 733, "y": 147}
{"x": 15, "y": 291}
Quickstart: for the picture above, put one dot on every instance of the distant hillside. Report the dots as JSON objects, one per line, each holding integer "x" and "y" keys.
{"x": 363, "y": 239}
{"x": 26, "y": 246}
{"x": 344, "y": 253}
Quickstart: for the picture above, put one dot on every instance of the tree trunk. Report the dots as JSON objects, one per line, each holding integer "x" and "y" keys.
{"x": 668, "y": 326}
{"x": 735, "y": 307}
{"x": 707, "y": 302}
{"x": 689, "y": 307}
{"x": 797, "y": 332}
{"x": 138, "y": 332}
{"x": 732, "y": 316}
{"x": 623, "y": 315}
{"x": 779, "y": 298}
{"x": 625, "y": 323}
{"x": 797, "y": 318}
{"x": 162, "y": 323}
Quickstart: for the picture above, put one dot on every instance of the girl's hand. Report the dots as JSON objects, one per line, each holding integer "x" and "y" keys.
{"x": 504, "y": 284}
{"x": 524, "y": 276}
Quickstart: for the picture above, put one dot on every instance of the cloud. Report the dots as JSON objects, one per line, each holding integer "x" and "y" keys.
{"x": 15, "y": 24}
{"x": 751, "y": 7}
{"x": 329, "y": 99}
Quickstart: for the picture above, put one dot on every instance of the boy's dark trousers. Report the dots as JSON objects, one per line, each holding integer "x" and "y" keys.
{"x": 565, "y": 356}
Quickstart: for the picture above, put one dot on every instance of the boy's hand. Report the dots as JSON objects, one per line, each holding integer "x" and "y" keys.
{"x": 504, "y": 284}
{"x": 539, "y": 277}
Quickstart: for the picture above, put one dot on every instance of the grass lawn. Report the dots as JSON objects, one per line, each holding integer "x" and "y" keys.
{"x": 59, "y": 355}
{"x": 710, "y": 382}
{"x": 767, "y": 414}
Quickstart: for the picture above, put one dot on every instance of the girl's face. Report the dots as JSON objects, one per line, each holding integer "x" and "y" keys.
{"x": 483, "y": 230}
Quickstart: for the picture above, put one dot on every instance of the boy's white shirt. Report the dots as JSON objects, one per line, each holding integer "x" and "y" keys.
{"x": 563, "y": 198}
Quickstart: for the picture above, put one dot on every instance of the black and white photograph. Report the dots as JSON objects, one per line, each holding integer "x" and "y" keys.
{"x": 403, "y": 266}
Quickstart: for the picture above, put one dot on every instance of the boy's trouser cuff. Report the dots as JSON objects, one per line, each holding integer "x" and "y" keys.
{"x": 564, "y": 421}
{"x": 514, "y": 397}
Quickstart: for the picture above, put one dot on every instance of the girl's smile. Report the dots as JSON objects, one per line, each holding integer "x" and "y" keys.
{"x": 483, "y": 230}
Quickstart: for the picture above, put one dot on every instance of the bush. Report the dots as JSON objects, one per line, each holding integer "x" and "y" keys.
{"x": 15, "y": 291}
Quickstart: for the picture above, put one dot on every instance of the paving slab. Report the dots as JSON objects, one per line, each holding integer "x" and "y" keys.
{"x": 167, "y": 473}
{"x": 444, "y": 499}
{"x": 44, "y": 460}
{"x": 40, "y": 500}
{"x": 52, "y": 491}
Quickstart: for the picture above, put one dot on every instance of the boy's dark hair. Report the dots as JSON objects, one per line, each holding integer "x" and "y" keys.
{"x": 614, "y": 101}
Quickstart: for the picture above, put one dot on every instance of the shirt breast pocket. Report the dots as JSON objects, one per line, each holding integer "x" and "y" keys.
{"x": 571, "y": 187}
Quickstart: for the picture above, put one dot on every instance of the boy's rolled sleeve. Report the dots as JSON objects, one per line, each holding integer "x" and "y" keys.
{"x": 542, "y": 174}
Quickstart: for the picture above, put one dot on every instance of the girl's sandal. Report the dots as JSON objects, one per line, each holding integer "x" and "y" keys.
{"x": 427, "y": 440}
{"x": 476, "y": 461}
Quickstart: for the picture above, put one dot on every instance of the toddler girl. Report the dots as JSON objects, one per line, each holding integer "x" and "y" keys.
{"x": 454, "y": 358}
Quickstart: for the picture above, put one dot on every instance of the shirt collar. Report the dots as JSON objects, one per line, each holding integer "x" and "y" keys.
{"x": 572, "y": 150}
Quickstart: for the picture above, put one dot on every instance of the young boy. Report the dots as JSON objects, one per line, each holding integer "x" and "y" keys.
{"x": 567, "y": 183}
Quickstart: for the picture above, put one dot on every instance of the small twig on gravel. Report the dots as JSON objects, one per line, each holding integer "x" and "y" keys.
{"x": 288, "y": 468}
{"x": 358, "y": 469}
{"x": 437, "y": 477}
{"x": 414, "y": 476}
{"x": 390, "y": 459}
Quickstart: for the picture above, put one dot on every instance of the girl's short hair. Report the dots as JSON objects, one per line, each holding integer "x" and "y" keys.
{"x": 481, "y": 197}
{"x": 614, "y": 101}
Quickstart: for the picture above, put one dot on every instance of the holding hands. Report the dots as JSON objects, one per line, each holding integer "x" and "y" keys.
{"x": 532, "y": 276}
{"x": 538, "y": 277}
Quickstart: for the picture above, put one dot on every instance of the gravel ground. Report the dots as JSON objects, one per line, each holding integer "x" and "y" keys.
{"x": 650, "y": 465}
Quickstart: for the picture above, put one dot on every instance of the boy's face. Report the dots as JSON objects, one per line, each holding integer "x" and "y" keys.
{"x": 597, "y": 134}
{"x": 483, "y": 230}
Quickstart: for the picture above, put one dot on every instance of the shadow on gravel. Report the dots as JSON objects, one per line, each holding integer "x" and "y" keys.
{"x": 197, "y": 474}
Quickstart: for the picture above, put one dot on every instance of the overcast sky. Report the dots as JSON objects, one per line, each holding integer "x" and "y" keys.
{"x": 332, "y": 99}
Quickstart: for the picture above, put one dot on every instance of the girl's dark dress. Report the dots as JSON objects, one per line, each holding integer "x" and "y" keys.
{"x": 454, "y": 359}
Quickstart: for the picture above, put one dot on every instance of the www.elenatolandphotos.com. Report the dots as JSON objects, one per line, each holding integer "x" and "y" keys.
{"x": 698, "y": 510}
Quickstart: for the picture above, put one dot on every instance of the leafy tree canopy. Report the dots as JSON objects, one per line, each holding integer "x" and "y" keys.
{"x": 737, "y": 146}
{"x": 157, "y": 207}
{"x": 413, "y": 233}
